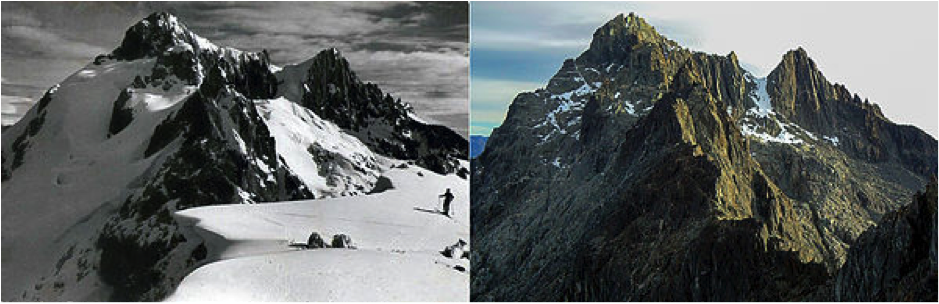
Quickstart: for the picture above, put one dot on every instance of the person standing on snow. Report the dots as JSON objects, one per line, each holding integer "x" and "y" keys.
{"x": 447, "y": 199}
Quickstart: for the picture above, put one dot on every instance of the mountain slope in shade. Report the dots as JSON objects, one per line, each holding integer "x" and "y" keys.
{"x": 646, "y": 171}
{"x": 895, "y": 261}
{"x": 168, "y": 121}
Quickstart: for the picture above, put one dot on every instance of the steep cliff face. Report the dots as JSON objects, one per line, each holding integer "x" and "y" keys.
{"x": 644, "y": 171}
{"x": 637, "y": 219}
{"x": 387, "y": 125}
{"x": 801, "y": 93}
{"x": 596, "y": 97}
{"x": 896, "y": 261}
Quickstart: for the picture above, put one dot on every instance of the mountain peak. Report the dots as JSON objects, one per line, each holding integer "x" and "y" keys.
{"x": 332, "y": 55}
{"x": 161, "y": 17}
{"x": 630, "y": 24}
{"x": 621, "y": 34}
{"x": 155, "y": 34}
{"x": 331, "y": 62}
{"x": 797, "y": 61}
{"x": 327, "y": 85}
{"x": 798, "y": 54}
{"x": 334, "y": 51}
{"x": 627, "y": 21}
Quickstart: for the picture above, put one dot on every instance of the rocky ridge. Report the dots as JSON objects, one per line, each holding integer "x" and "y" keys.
{"x": 679, "y": 176}
{"x": 183, "y": 123}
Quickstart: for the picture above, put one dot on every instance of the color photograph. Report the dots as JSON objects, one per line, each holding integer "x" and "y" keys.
{"x": 703, "y": 151}
{"x": 248, "y": 151}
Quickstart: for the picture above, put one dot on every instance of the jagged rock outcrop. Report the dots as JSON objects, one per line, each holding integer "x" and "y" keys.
{"x": 895, "y": 261}
{"x": 801, "y": 93}
{"x": 214, "y": 149}
{"x": 644, "y": 171}
{"x": 677, "y": 183}
{"x": 169, "y": 121}
{"x": 331, "y": 89}
{"x": 152, "y": 36}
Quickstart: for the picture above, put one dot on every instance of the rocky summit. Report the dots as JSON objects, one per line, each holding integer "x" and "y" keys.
{"x": 387, "y": 125}
{"x": 94, "y": 173}
{"x": 645, "y": 171}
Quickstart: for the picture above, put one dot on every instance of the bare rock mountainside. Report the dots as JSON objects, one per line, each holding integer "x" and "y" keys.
{"x": 645, "y": 171}
{"x": 94, "y": 172}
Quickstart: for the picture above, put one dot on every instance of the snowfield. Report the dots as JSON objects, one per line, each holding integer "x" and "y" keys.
{"x": 296, "y": 129}
{"x": 63, "y": 182}
{"x": 96, "y": 172}
{"x": 397, "y": 235}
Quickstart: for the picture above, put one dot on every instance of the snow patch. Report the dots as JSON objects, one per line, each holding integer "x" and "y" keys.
{"x": 299, "y": 133}
{"x": 764, "y": 106}
{"x": 833, "y": 139}
{"x": 783, "y": 137}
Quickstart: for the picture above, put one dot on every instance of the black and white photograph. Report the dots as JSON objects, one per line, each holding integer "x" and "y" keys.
{"x": 250, "y": 151}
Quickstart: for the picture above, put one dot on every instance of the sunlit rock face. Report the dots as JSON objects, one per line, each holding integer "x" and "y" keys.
{"x": 645, "y": 171}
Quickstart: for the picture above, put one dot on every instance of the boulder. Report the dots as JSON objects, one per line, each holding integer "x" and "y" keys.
{"x": 381, "y": 185}
{"x": 315, "y": 241}
{"x": 342, "y": 241}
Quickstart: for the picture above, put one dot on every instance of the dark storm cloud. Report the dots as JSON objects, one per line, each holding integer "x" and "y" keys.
{"x": 416, "y": 51}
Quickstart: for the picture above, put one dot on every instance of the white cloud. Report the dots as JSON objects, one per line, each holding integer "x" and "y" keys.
{"x": 49, "y": 43}
{"x": 8, "y": 108}
{"x": 494, "y": 39}
{"x": 411, "y": 76}
{"x": 13, "y": 108}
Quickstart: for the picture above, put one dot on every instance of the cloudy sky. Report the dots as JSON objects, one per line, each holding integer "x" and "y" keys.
{"x": 416, "y": 51}
{"x": 886, "y": 52}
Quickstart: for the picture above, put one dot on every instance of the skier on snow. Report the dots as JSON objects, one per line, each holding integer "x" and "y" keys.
{"x": 447, "y": 199}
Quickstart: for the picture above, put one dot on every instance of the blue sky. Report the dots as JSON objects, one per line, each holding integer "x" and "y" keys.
{"x": 518, "y": 46}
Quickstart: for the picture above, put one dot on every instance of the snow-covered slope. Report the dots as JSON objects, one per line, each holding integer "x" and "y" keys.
{"x": 327, "y": 86}
{"x": 167, "y": 122}
{"x": 329, "y": 162}
{"x": 67, "y": 169}
{"x": 398, "y": 240}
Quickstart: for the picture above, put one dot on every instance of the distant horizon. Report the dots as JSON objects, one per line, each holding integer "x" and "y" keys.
{"x": 521, "y": 53}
